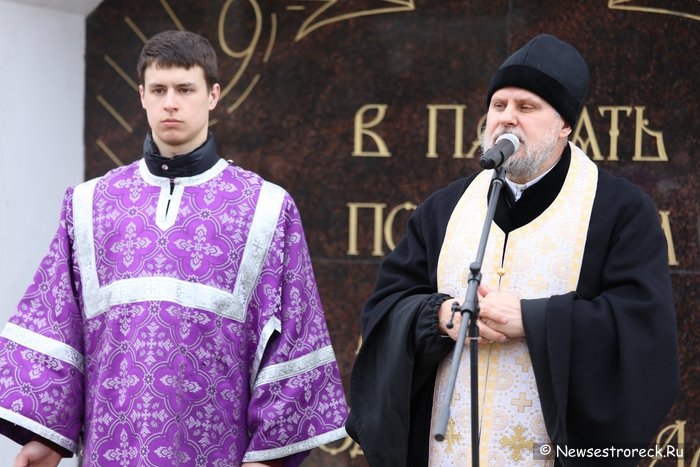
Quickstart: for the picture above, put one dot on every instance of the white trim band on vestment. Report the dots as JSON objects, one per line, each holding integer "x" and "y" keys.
{"x": 286, "y": 451}
{"x": 280, "y": 371}
{"x": 44, "y": 345}
{"x": 39, "y": 429}
{"x": 262, "y": 230}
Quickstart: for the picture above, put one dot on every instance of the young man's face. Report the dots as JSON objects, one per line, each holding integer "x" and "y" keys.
{"x": 177, "y": 103}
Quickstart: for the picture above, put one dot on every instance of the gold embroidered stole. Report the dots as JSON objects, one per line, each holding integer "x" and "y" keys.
{"x": 542, "y": 258}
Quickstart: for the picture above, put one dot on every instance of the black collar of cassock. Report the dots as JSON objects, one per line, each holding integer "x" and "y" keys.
{"x": 186, "y": 165}
{"x": 511, "y": 215}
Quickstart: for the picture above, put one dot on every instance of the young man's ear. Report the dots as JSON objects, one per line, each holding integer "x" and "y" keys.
{"x": 214, "y": 94}
{"x": 141, "y": 90}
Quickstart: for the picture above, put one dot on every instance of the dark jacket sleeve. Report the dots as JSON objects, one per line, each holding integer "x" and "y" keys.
{"x": 392, "y": 381}
{"x": 605, "y": 356}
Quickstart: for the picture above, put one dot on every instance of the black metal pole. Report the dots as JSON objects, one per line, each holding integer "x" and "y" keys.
{"x": 470, "y": 306}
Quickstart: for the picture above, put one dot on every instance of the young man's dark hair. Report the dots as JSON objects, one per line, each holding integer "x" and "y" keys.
{"x": 179, "y": 49}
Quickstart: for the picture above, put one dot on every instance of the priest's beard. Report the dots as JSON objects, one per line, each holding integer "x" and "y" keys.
{"x": 529, "y": 161}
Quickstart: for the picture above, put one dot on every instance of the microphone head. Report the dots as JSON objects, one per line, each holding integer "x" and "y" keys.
{"x": 502, "y": 149}
{"x": 512, "y": 138}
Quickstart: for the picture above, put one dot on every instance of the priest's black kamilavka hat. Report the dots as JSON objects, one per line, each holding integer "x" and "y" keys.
{"x": 550, "y": 68}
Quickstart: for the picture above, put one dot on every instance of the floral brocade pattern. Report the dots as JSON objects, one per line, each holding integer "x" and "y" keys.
{"x": 205, "y": 245}
{"x": 127, "y": 336}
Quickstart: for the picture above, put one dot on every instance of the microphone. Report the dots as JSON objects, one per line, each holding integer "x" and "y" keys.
{"x": 504, "y": 147}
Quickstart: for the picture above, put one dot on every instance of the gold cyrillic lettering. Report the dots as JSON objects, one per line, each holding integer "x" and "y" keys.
{"x": 347, "y": 444}
{"x": 361, "y": 129}
{"x": 696, "y": 459}
{"x": 666, "y": 227}
{"x": 246, "y": 54}
{"x": 353, "y": 223}
{"x": 433, "y": 110}
{"x": 355, "y": 451}
{"x": 383, "y": 228}
{"x": 614, "y": 131}
{"x": 584, "y": 121}
{"x": 677, "y": 431}
{"x": 476, "y": 144}
{"x": 641, "y": 128}
{"x": 389, "y": 223}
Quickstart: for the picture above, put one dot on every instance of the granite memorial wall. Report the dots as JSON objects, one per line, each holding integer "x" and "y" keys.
{"x": 362, "y": 108}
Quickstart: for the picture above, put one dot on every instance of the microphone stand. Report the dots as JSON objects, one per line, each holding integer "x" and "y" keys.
{"x": 471, "y": 306}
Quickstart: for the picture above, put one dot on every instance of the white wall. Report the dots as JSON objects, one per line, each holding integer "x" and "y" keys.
{"x": 42, "y": 71}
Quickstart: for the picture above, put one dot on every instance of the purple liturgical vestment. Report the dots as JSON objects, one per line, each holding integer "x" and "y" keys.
{"x": 174, "y": 322}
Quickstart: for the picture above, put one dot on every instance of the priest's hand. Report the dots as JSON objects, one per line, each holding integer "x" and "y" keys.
{"x": 499, "y": 315}
{"x": 37, "y": 454}
{"x": 486, "y": 333}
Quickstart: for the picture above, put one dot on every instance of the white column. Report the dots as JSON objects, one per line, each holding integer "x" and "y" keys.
{"x": 42, "y": 83}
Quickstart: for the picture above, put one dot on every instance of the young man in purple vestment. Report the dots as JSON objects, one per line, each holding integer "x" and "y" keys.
{"x": 175, "y": 319}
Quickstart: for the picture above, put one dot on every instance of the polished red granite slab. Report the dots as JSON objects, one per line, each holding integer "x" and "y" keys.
{"x": 295, "y": 77}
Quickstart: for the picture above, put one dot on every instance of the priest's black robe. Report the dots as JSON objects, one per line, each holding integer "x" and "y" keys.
{"x": 605, "y": 356}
